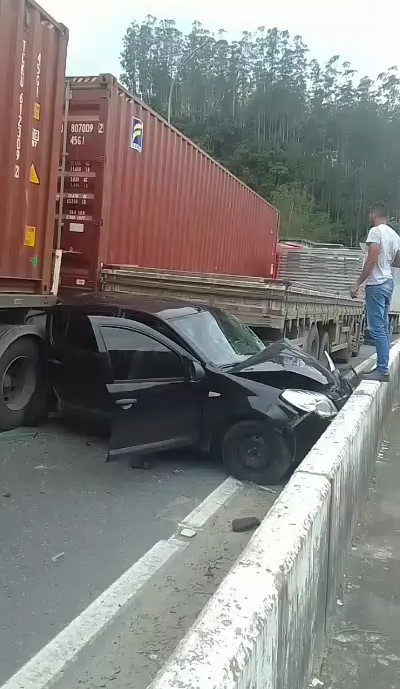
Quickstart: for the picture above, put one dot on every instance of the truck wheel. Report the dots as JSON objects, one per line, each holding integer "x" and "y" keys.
{"x": 253, "y": 451}
{"x": 324, "y": 346}
{"x": 343, "y": 356}
{"x": 311, "y": 345}
{"x": 19, "y": 366}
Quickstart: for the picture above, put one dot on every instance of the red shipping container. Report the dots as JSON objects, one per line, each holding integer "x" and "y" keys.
{"x": 33, "y": 50}
{"x": 138, "y": 192}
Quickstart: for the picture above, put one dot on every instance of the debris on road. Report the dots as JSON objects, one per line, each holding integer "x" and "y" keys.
{"x": 6, "y": 494}
{"x": 188, "y": 533}
{"x": 43, "y": 467}
{"x": 58, "y": 557}
{"x": 245, "y": 524}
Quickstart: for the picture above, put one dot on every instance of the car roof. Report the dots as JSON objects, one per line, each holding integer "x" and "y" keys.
{"x": 164, "y": 308}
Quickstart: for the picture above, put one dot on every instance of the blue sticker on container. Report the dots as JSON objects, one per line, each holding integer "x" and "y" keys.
{"x": 137, "y": 135}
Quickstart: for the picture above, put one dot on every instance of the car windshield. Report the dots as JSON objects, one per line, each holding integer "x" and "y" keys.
{"x": 221, "y": 338}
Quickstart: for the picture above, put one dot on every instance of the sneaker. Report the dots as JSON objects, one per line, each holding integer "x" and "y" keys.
{"x": 376, "y": 375}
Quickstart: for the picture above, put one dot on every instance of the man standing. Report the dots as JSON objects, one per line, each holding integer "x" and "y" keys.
{"x": 383, "y": 244}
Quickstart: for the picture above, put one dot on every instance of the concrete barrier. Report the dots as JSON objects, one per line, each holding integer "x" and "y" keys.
{"x": 264, "y": 627}
{"x": 346, "y": 456}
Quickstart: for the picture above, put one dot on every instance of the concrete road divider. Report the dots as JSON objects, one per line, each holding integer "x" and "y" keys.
{"x": 346, "y": 456}
{"x": 264, "y": 627}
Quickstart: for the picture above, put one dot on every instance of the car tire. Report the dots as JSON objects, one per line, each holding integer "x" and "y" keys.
{"x": 254, "y": 451}
{"x": 19, "y": 376}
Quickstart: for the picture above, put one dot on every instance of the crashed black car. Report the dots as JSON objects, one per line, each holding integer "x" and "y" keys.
{"x": 169, "y": 375}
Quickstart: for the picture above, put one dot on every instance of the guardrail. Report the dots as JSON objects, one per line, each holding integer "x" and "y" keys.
{"x": 264, "y": 627}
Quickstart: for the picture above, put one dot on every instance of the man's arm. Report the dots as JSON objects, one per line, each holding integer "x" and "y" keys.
{"x": 369, "y": 265}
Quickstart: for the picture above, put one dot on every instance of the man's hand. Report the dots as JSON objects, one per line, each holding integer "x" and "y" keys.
{"x": 354, "y": 290}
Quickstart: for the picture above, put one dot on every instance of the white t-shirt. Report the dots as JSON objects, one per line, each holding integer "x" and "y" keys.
{"x": 389, "y": 242}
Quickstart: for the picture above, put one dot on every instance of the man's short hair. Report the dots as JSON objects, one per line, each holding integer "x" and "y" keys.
{"x": 379, "y": 210}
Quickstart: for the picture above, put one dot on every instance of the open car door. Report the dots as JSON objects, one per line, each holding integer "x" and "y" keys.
{"x": 156, "y": 392}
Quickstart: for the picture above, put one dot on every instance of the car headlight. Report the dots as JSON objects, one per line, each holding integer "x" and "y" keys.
{"x": 307, "y": 401}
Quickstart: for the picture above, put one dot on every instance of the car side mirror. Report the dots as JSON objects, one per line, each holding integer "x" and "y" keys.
{"x": 197, "y": 372}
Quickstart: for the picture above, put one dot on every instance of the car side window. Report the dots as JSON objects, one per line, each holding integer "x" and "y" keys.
{"x": 80, "y": 333}
{"x": 135, "y": 356}
{"x": 152, "y": 322}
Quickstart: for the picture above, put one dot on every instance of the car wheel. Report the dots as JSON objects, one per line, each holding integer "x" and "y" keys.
{"x": 254, "y": 451}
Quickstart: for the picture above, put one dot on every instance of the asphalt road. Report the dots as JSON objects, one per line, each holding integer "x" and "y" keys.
{"x": 71, "y": 524}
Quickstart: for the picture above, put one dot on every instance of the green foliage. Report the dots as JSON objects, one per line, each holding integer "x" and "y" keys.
{"x": 300, "y": 216}
{"x": 313, "y": 139}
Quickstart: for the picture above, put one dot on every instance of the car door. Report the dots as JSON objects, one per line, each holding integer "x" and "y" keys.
{"x": 156, "y": 403}
{"x": 78, "y": 368}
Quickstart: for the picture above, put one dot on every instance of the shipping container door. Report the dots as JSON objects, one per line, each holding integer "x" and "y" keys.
{"x": 32, "y": 64}
{"x": 82, "y": 205}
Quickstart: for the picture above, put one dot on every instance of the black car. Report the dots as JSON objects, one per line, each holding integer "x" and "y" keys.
{"x": 168, "y": 375}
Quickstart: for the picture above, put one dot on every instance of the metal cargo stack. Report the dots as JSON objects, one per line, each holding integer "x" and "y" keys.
{"x": 327, "y": 270}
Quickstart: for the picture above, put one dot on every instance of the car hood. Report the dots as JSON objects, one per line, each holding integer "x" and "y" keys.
{"x": 284, "y": 357}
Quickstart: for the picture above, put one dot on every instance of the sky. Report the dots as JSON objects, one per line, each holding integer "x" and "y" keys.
{"x": 363, "y": 32}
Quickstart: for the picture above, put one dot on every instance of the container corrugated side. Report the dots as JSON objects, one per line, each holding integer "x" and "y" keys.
{"x": 33, "y": 49}
{"x": 138, "y": 192}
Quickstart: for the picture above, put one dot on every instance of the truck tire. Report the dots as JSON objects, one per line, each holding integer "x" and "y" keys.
{"x": 311, "y": 345}
{"x": 253, "y": 451}
{"x": 343, "y": 356}
{"x": 324, "y": 346}
{"x": 19, "y": 376}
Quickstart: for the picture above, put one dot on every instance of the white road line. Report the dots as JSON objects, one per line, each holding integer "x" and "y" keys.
{"x": 370, "y": 363}
{"x": 366, "y": 365}
{"x": 198, "y": 517}
{"x": 45, "y": 667}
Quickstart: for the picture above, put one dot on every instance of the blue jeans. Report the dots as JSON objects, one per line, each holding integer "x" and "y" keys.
{"x": 378, "y": 299}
